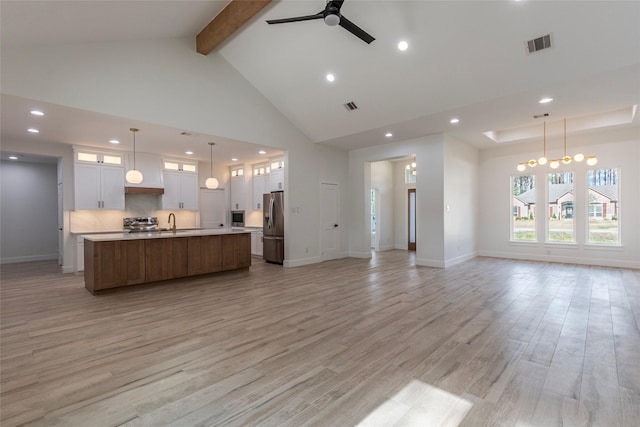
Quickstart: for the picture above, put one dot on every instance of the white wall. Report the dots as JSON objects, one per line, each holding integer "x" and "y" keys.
{"x": 617, "y": 149}
{"x": 170, "y": 84}
{"x": 382, "y": 179}
{"x": 461, "y": 200}
{"x": 28, "y": 211}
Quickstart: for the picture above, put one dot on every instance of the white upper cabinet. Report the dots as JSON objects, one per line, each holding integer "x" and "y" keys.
{"x": 180, "y": 191}
{"x": 260, "y": 184}
{"x": 237, "y": 189}
{"x": 99, "y": 180}
{"x": 276, "y": 175}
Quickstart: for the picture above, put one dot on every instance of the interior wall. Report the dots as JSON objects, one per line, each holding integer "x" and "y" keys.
{"x": 615, "y": 149}
{"x": 211, "y": 98}
{"x": 382, "y": 179}
{"x": 461, "y": 201}
{"x": 28, "y": 211}
{"x": 429, "y": 152}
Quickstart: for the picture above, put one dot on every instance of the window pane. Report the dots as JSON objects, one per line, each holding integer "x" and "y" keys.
{"x": 523, "y": 208}
{"x": 412, "y": 217}
{"x": 112, "y": 160}
{"x": 409, "y": 176}
{"x": 603, "y": 206}
{"x": 560, "y": 207}
{"x": 171, "y": 166}
{"x": 188, "y": 168}
{"x": 88, "y": 157}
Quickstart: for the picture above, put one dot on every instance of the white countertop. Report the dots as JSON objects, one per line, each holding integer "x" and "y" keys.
{"x": 160, "y": 235}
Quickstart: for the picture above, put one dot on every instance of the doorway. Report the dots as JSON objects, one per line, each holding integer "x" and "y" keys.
{"x": 329, "y": 196}
{"x": 411, "y": 226}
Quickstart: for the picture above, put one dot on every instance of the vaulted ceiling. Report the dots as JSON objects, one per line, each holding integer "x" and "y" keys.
{"x": 466, "y": 59}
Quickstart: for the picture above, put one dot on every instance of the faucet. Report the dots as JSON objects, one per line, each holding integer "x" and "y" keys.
{"x": 173, "y": 228}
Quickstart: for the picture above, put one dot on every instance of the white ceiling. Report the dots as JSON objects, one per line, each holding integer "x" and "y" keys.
{"x": 466, "y": 59}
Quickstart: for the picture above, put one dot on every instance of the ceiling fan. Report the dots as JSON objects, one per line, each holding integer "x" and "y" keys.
{"x": 332, "y": 17}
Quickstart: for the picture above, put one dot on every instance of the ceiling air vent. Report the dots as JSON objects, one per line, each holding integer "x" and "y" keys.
{"x": 539, "y": 116}
{"x": 351, "y": 106}
{"x": 538, "y": 44}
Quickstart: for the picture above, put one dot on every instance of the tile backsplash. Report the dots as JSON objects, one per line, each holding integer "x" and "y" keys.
{"x": 135, "y": 205}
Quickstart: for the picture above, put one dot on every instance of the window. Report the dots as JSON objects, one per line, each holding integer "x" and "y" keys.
{"x": 603, "y": 206}
{"x": 523, "y": 201}
{"x": 561, "y": 225}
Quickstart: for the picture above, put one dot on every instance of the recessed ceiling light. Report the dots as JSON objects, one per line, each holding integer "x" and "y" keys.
{"x": 188, "y": 152}
{"x": 331, "y": 77}
{"x": 262, "y": 152}
{"x": 454, "y": 121}
{"x": 388, "y": 134}
{"x": 32, "y": 130}
{"x": 403, "y": 45}
{"x": 234, "y": 159}
{"x": 13, "y": 157}
{"x": 114, "y": 141}
{"x": 37, "y": 113}
{"x": 545, "y": 100}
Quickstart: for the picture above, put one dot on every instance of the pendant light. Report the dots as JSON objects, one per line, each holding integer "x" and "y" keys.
{"x": 211, "y": 182}
{"x": 134, "y": 176}
{"x": 412, "y": 166}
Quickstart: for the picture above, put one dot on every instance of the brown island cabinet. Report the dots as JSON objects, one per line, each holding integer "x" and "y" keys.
{"x": 112, "y": 262}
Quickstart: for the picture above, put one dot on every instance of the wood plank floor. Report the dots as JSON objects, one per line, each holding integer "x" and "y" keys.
{"x": 349, "y": 342}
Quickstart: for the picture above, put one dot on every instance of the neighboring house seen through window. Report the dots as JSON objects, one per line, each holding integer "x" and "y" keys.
{"x": 523, "y": 202}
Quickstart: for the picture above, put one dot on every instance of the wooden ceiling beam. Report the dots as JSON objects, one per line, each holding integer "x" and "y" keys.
{"x": 232, "y": 17}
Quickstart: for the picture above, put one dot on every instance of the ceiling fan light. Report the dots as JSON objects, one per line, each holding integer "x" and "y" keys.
{"x": 332, "y": 19}
{"x": 542, "y": 161}
{"x": 211, "y": 183}
{"x": 578, "y": 157}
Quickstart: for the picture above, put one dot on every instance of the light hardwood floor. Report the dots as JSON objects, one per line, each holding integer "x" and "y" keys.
{"x": 349, "y": 342}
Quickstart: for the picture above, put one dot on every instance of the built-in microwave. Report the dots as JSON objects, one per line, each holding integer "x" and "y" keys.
{"x": 237, "y": 218}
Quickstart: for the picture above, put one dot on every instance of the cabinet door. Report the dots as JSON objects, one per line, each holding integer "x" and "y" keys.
{"x": 87, "y": 186}
{"x": 237, "y": 193}
{"x": 165, "y": 258}
{"x": 104, "y": 265}
{"x": 258, "y": 191}
{"x": 134, "y": 260}
{"x": 205, "y": 254}
{"x": 276, "y": 180}
{"x": 237, "y": 251}
{"x": 112, "y": 187}
{"x": 189, "y": 191}
{"x": 172, "y": 188}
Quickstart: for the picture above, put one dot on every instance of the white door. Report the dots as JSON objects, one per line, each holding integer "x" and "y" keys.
{"x": 329, "y": 220}
{"x": 60, "y": 226}
{"x": 213, "y": 212}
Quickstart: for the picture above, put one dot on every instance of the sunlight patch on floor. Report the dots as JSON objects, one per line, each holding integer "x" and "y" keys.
{"x": 419, "y": 404}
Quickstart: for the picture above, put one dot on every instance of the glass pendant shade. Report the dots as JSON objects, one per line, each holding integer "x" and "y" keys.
{"x": 211, "y": 183}
{"x": 542, "y": 161}
{"x": 521, "y": 167}
{"x": 134, "y": 176}
{"x": 591, "y": 161}
{"x": 554, "y": 164}
{"x": 578, "y": 157}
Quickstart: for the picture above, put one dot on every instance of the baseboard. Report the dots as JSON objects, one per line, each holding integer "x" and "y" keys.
{"x": 401, "y": 247}
{"x": 30, "y": 258}
{"x": 70, "y": 269}
{"x": 387, "y": 248}
{"x": 364, "y": 255}
{"x": 562, "y": 259}
{"x": 301, "y": 262}
{"x": 430, "y": 262}
{"x": 457, "y": 260}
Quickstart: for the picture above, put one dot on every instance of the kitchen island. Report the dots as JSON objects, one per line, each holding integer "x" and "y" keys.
{"x": 122, "y": 259}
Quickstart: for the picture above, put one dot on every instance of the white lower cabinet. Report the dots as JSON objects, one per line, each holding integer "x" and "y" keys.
{"x": 256, "y": 243}
{"x": 79, "y": 254}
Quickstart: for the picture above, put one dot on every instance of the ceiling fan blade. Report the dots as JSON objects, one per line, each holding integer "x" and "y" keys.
{"x": 355, "y": 30}
{"x": 318, "y": 15}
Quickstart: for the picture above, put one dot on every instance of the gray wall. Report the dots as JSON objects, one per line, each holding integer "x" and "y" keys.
{"x": 28, "y": 211}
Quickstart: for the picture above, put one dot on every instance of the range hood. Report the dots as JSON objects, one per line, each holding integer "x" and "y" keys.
{"x": 144, "y": 190}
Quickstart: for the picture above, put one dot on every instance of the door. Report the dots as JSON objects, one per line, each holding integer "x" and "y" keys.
{"x": 412, "y": 220}
{"x": 212, "y": 208}
{"x": 60, "y": 225}
{"x": 375, "y": 218}
{"x": 329, "y": 221}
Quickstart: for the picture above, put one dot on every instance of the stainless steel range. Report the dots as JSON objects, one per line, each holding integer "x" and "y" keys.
{"x": 146, "y": 224}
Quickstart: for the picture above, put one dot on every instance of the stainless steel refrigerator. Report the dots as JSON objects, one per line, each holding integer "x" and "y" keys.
{"x": 273, "y": 227}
